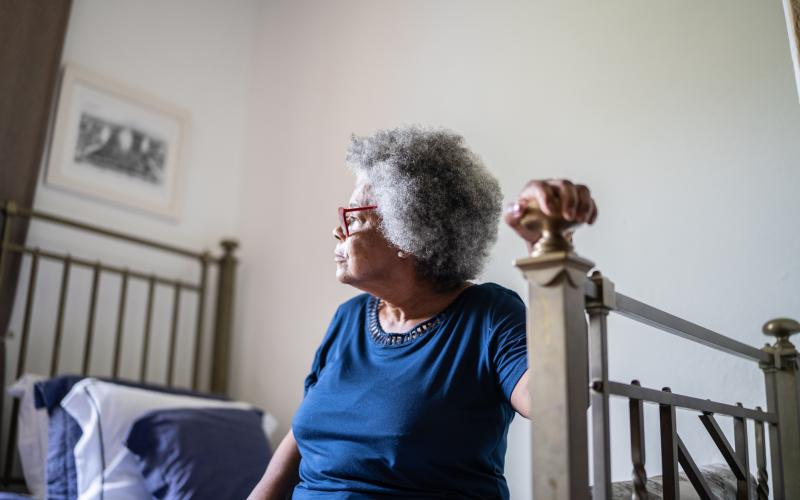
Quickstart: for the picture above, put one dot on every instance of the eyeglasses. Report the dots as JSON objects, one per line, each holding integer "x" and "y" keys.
{"x": 345, "y": 220}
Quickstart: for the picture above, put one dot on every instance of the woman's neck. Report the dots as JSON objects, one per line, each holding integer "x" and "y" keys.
{"x": 402, "y": 309}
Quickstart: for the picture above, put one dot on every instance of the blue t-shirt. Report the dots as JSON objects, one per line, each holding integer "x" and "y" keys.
{"x": 422, "y": 415}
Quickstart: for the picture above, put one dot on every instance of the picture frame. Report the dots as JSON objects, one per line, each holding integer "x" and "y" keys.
{"x": 792, "y": 10}
{"x": 117, "y": 144}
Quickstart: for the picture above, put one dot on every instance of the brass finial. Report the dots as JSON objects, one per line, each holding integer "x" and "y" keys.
{"x": 782, "y": 329}
{"x": 553, "y": 228}
{"x": 229, "y": 245}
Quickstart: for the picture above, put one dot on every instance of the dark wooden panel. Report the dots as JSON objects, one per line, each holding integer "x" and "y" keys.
{"x": 31, "y": 40}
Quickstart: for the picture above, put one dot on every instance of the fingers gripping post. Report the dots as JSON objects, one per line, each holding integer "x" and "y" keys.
{"x": 554, "y": 230}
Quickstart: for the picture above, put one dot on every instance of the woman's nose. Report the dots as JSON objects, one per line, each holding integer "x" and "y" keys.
{"x": 338, "y": 233}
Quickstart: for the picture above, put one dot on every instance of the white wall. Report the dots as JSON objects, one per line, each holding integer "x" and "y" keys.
{"x": 682, "y": 118}
{"x": 193, "y": 54}
{"x": 196, "y": 55}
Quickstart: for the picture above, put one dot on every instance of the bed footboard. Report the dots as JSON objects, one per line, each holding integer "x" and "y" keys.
{"x": 568, "y": 362}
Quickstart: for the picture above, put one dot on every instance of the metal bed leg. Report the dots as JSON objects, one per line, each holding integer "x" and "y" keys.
{"x": 223, "y": 322}
{"x": 638, "y": 453}
{"x": 598, "y": 368}
{"x": 782, "y": 379}
{"x": 669, "y": 450}
{"x": 557, "y": 357}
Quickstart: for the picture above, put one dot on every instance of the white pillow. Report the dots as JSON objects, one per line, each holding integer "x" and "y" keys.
{"x": 105, "y": 412}
{"x": 270, "y": 425}
{"x": 31, "y": 434}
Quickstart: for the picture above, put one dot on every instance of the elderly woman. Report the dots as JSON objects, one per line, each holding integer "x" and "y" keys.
{"x": 416, "y": 381}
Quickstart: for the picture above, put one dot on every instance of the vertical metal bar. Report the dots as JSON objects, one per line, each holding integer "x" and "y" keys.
{"x": 201, "y": 310}
{"x": 87, "y": 348}
{"x": 9, "y": 211}
{"x": 598, "y": 368}
{"x": 223, "y": 321}
{"x": 62, "y": 304}
{"x": 557, "y": 357}
{"x": 782, "y": 377}
{"x": 762, "y": 486}
{"x": 26, "y": 324}
{"x": 638, "y": 457}
{"x": 151, "y": 286}
{"x": 788, "y": 388}
{"x": 669, "y": 451}
{"x": 742, "y": 453}
{"x": 12, "y": 441}
{"x": 774, "y": 432}
{"x": 23, "y": 350}
{"x": 123, "y": 297}
{"x": 173, "y": 335}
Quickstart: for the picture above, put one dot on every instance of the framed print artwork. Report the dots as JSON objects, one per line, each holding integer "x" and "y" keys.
{"x": 792, "y": 10}
{"x": 117, "y": 144}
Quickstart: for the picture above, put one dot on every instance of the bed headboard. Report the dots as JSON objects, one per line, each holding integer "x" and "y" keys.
{"x": 16, "y": 347}
{"x": 568, "y": 361}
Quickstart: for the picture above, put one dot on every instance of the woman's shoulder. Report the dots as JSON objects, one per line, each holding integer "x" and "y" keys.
{"x": 496, "y": 308}
{"x": 492, "y": 293}
{"x": 492, "y": 301}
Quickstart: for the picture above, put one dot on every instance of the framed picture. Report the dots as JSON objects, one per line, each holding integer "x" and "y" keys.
{"x": 792, "y": 10}
{"x": 117, "y": 144}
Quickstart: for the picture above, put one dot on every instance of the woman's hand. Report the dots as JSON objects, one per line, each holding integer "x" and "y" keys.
{"x": 555, "y": 197}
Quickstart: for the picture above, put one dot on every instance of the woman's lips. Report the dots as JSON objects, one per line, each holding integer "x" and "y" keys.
{"x": 339, "y": 257}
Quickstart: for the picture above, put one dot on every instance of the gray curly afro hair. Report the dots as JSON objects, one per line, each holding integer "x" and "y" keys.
{"x": 436, "y": 199}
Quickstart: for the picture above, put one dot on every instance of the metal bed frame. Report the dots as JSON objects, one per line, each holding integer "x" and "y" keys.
{"x": 559, "y": 345}
{"x": 221, "y": 329}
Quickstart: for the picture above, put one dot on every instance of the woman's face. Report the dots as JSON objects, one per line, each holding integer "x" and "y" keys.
{"x": 365, "y": 258}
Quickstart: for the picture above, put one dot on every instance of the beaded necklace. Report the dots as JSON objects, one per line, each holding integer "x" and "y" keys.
{"x": 393, "y": 339}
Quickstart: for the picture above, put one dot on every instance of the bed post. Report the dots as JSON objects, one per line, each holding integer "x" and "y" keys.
{"x": 223, "y": 320}
{"x": 557, "y": 360}
{"x": 782, "y": 376}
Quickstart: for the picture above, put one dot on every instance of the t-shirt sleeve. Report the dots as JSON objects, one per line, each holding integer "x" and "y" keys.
{"x": 509, "y": 342}
{"x": 320, "y": 357}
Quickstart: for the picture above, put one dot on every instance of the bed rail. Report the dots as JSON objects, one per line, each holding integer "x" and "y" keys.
{"x": 562, "y": 344}
{"x": 225, "y": 265}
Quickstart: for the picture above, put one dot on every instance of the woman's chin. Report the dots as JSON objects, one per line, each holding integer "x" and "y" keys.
{"x": 341, "y": 273}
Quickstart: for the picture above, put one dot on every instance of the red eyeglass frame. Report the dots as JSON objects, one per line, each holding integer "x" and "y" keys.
{"x": 343, "y": 214}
